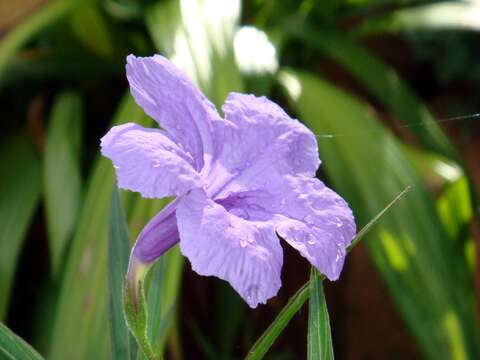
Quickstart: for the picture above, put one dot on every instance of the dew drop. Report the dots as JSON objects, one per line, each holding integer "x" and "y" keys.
{"x": 311, "y": 239}
{"x": 255, "y": 207}
{"x": 243, "y": 243}
{"x": 252, "y": 293}
{"x": 308, "y": 219}
{"x": 116, "y": 167}
{"x": 338, "y": 222}
{"x": 240, "y": 213}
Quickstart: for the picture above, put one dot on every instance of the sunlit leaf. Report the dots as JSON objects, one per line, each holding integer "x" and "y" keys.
{"x": 445, "y": 15}
{"x": 198, "y": 37}
{"x": 411, "y": 247}
{"x": 261, "y": 346}
{"x": 20, "y": 184}
{"x": 383, "y": 83}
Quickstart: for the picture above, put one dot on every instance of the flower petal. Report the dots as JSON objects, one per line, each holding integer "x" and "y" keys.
{"x": 158, "y": 236}
{"x": 308, "y": 215}
{"x": 259, "y": 142}
{"x": 246, "y": 254}
{"x": 148, "y": 162}
{"x": 178, "y": 106}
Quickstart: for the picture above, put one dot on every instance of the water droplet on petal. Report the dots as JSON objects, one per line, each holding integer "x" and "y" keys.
{"x": 252, "y": 293}
{"x": 308, "y": 219}
{"x": 311, "y": 239}
{"x": 241, "y": 213}
{"x": 116, "y": 167}
{"x": 338, "y": 222}
{"x": 255, "y": 207}
{"x": 243, "y": 243}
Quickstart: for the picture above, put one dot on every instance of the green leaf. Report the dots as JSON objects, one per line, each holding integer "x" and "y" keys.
{"x": 14, "y": 348}
{"x": 123, "y": 344}
{"x": 136, "y": 315}
{"x": 455, "y": 207}
{"x": 21, "y": 183}
{"x": 264, "y": 342}
{"x": 61, "y": 174}
{"x": 366, "y": 229}
{"x": 81, "y": 322}
{"x": 382, "y": 82}
{"x": 319, "y": 340}
{"x": 446, "y": 15}
{"x": 164, "y": 286}
{"x": 200, "y": 45}
{"x": 47, "y": 14}
{"x": 59, "y": 64}
{"x": 411, "y": 248}
{"x": 89, "y": 13}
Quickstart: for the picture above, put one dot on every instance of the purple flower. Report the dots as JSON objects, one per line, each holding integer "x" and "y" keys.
{"x": 240, "y": 183}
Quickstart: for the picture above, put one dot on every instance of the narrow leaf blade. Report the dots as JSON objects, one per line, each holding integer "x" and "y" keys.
{"x": 61, "y": 174}
{"x": 261, "y": 346}
{"x": 14, "y": 348}
{"x": 411, "y": 248}
{"x": 319, "y": 340}
{"x": 123, "y": 344}
{"x": 21, "y": 183}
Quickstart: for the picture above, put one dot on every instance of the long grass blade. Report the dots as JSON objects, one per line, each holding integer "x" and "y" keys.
{"x": 123, "y": 344}
{"x": 411, "y": 248}
{"x": 20, "y": 184}
{"x": 383, "y": 83}
{"x": 81, "y": 322}
{"x": 61, "y": 174}
{"x": 264, "y": 342}
{"x": 46, "y": 15}
{"x": 12, "y": 347}
{"x": 261, "y": 346}
{"x": 319, "y": 340}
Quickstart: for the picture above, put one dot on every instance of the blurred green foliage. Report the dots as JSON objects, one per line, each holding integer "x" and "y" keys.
{"x": 62, "y": 80}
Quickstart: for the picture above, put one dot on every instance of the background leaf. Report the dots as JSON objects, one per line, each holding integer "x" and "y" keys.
{"x": 123, "y": 344}
{"x": 384, "y": 83}
{"x": 81, "y": 321}
{"x": 264, "y": 342}
{"x": 319, "y": 339}
{"x": 21, "y": 184}
{"x": 13, "y": 347}
{"x": 411, "y": 248}
{"x": 47, "y": 14}
{"x": 61, "y": 174}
